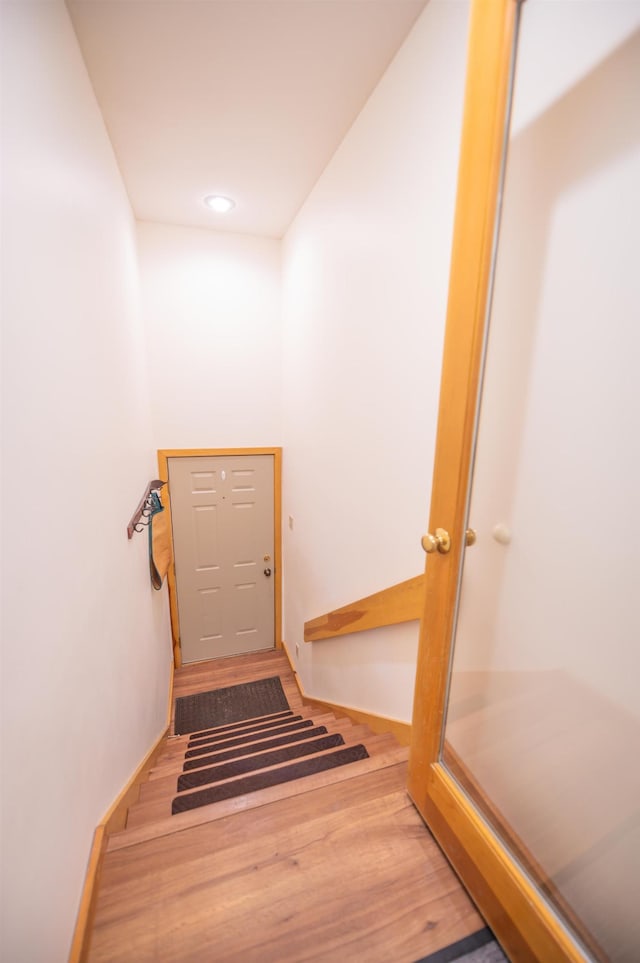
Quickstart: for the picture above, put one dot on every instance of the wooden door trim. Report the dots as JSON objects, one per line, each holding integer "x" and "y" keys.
{"x": 512, "y": 905}
{"x": 521, "y": 919}
{"x": 164, "y": 454}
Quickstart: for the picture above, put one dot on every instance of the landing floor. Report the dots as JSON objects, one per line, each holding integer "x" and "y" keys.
{"x": 342, "y": 872}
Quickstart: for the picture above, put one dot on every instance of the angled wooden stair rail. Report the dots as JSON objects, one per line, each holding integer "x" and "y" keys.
{"x": 399, "y": 603}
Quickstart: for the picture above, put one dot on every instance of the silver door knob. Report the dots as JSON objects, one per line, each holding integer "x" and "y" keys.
{"x": 267, "y": 572}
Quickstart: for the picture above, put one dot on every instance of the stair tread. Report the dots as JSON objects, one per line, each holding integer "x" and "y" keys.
{"x": 377, "y": 782}
{"x": 158, "y": 792}
{"x": 143, "y": 826}
{"x": 155, "y": 801}
{"x": 159, "y": 805}
{"x": 207, "y": 775}
{"x": 178, "y": 745}
{"x": 363, "y": 880}
{"x": 180, "y": 752}
{"x": 329, "y": 757}
{"x": 240, "y": 724}
{"x": 150, "y": 788}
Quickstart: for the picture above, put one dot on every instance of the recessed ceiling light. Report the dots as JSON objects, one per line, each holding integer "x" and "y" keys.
{"x": 219, "y": 204}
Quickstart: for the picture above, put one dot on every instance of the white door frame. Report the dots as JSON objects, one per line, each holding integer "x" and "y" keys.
{"x": 163, "y": 456}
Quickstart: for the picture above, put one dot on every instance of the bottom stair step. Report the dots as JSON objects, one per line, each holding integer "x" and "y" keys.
{"x": 152, "y": 820}
{"x": 272, "y": 777}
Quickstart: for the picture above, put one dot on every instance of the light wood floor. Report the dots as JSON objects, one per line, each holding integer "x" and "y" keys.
{"x": 333, "y": 867}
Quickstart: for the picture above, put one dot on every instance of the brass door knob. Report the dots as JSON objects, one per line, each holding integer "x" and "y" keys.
{"x": 440, "y": 542}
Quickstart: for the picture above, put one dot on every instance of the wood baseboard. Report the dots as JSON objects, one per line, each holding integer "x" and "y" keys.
{"x": 113, "y": 821}
{"x": 377, "y": 723}
{"x": 82, "y": 932}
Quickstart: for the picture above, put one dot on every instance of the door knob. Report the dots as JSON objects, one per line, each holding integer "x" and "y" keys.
{"x": 440, "y": 542}
{"x": 267, "y": 572}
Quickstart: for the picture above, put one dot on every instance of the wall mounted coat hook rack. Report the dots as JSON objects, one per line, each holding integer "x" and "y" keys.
{"x": 140, "y": 518}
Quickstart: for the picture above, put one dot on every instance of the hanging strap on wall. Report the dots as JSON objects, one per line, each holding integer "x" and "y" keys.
{"x": 159, "y": 542}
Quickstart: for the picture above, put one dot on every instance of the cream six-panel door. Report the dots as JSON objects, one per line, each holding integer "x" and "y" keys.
{"x": 222, "y": 510}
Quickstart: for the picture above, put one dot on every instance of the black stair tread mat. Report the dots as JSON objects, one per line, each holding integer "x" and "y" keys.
{"x": 246, "y": 730}
{"x": 270, "y": 777}
{"x": 239, "y": 767}
{"x": 239, "y": 725}
{"x": 243, "y": 740}
{"x": 247, "y": 750}
{"x": 230, "y": 704}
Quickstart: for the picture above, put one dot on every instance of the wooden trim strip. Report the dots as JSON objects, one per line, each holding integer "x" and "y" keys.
{"x": 163, "y": 471}
{"x": 377, "y": 723}
{"x": 486, "y": 96}
{"x": 277, "y": 542}
{"x": 214, "y": 452}
{"x": 86, "y": 912}
{"x": 402, "y": 602}
{"x": 113, "y": 821}
{"x": 516, "y": 846}
{"x": 116, "y": 816}
{"x": 163, "y": 468}
{"x": 172, "y": 682}
{"x": 503, "y": 893}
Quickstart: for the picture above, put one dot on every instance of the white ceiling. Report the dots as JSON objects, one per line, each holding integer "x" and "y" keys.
{"x": 247, "y": 98}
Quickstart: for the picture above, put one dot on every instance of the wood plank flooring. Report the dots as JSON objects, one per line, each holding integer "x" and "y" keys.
{"x": 332, "y": 869}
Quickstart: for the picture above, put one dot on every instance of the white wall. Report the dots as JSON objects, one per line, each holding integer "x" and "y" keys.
{"x": 365, "y": 282}
{"x": 86, "y": 649}
{"x": 211, "y": 302}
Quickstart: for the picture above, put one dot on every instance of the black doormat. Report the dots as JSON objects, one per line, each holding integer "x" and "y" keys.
{"x": 225, "y": 755}
{"x": 479, "y": 947}
{"x": 271, "y": 777}
{"x": 240, "y": 767}
{"x": 232, "y": 704}
{"x": 244, "y": 740}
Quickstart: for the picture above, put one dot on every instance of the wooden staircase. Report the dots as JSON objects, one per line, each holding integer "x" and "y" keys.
{"x": 333, "y": 865}
{"x": 163, "y": 790}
